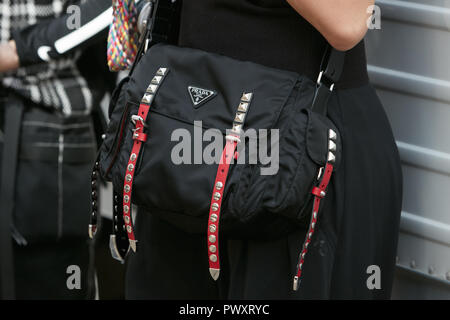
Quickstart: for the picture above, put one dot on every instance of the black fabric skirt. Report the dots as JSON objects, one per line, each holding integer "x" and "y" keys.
{"x": 51, "y": 201}
{"x": 357, "y": 229}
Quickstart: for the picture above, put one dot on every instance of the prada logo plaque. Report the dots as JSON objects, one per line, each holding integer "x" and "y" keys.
{"x": 200, "y": 95}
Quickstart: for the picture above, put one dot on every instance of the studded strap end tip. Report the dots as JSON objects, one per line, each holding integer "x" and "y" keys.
{"x": 133, "y": 245}
{"x": 296, "y": 283}
{"x": 214, "y": 273}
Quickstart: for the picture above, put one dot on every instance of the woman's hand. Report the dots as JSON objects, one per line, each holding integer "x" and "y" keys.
{"x": 9, "y": 60}
{"x": 342, "y": 22}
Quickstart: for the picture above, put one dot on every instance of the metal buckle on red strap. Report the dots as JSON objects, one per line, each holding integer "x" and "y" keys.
{"x": 319, "y": 193}
{"x": 136, "y": 118}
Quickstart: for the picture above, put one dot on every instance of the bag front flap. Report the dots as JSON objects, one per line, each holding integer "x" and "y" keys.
{"x": 208, "y": 87}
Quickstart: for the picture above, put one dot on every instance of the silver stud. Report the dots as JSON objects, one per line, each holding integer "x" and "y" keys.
{"x": 212, "y": 238}
{"x": 212, "y": 248}
{"x": 127, "y": 219}
{"x": 161, "y": 71}
{"x": 315, "y": 214}
{"x": 156, "y": 80}
{"x": 133, "y": 156}
{"x": 215, "y": 207}
{"x": 129, "y": 229}
{"x": 310, "y": 235}
{"x": 128, "y": 177}
{"x": 243, "y": 107}
{"x": 213, "y": 258}
{"x": 246, "y": 97}
{"x": 306, "y": 244}
{"x": 127, "y": 188}
{"x": 219, "y": 185}
{"x": 126, "y": 199}
{"x": 331, "y": 157}
{"x": 152, "y": 88}
{"x": 322, "y": 193}
{"x": 239, "y": 117}
{"x": 303, "y": 255}
{"x": 126, "y": 209}
{"x": 237, "y": 128}
{"x": 213, "y": 217}
{"x": 332, "y": 146}
{"x": 212, "y": 228}
{"x": 332, "y": 134}
{"x": 313, "y": 225}
{"x": 148, "y": 98}
{"x": 130, "y": 167}
{"x": 216, "y": 196}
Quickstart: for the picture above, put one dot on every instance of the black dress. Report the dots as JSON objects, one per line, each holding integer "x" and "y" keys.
{"x": 359, "y": 222}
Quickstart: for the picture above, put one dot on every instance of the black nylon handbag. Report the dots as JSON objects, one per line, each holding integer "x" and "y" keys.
{"x": 175, "y": 92}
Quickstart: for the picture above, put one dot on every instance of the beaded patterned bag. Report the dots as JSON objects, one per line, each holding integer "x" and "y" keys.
{"x": 123, "y": 35}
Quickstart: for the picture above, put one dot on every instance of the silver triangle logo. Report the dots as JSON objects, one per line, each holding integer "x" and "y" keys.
{"x": 200, "y": 95}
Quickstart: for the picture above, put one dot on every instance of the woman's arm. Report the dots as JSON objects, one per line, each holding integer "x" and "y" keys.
{"x": 53, "y": 38}
{"x": 342, "y": 22}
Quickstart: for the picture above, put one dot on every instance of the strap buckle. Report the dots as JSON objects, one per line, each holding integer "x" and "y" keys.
{"x": 327, "y": 83}
{"x": 135, "y": 118}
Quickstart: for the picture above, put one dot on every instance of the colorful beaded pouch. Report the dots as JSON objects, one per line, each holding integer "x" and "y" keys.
{"x": 123, "y": 35}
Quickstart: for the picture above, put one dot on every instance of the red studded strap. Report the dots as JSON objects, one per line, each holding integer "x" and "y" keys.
{"x": 139, "y": 138}
{"x": 319, "y": 193}
{"x": 228, "y": 153}
{"x": 216, "y": 202}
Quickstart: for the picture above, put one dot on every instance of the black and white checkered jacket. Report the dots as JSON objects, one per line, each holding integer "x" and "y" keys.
{"x": 49, "y": 35}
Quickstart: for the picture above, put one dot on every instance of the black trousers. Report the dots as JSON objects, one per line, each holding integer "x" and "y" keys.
{"x": 357, "y": 228}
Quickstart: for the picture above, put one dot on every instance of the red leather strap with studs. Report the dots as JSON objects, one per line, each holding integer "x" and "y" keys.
{"x": 139, "y": 138}
{"x": 319, "y": 193}
{"x": 228, "y": 153}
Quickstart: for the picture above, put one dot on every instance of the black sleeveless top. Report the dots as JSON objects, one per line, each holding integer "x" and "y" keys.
{"x": 268, "y": 32}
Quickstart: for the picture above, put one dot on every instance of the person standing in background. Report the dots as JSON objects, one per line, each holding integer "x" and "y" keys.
{"x": 53, "y": 75}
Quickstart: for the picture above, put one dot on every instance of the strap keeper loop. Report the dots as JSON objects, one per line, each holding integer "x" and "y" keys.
{"x": 139, "y": 136}
{"x": 318, "y": 192}
{"x": 233, "y": 138}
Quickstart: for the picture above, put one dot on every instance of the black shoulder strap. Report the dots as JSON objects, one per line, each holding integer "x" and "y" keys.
{"x": 13, "y": 120}
{"x": 331, "y": 71}
{"x": 160, "y": 20}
